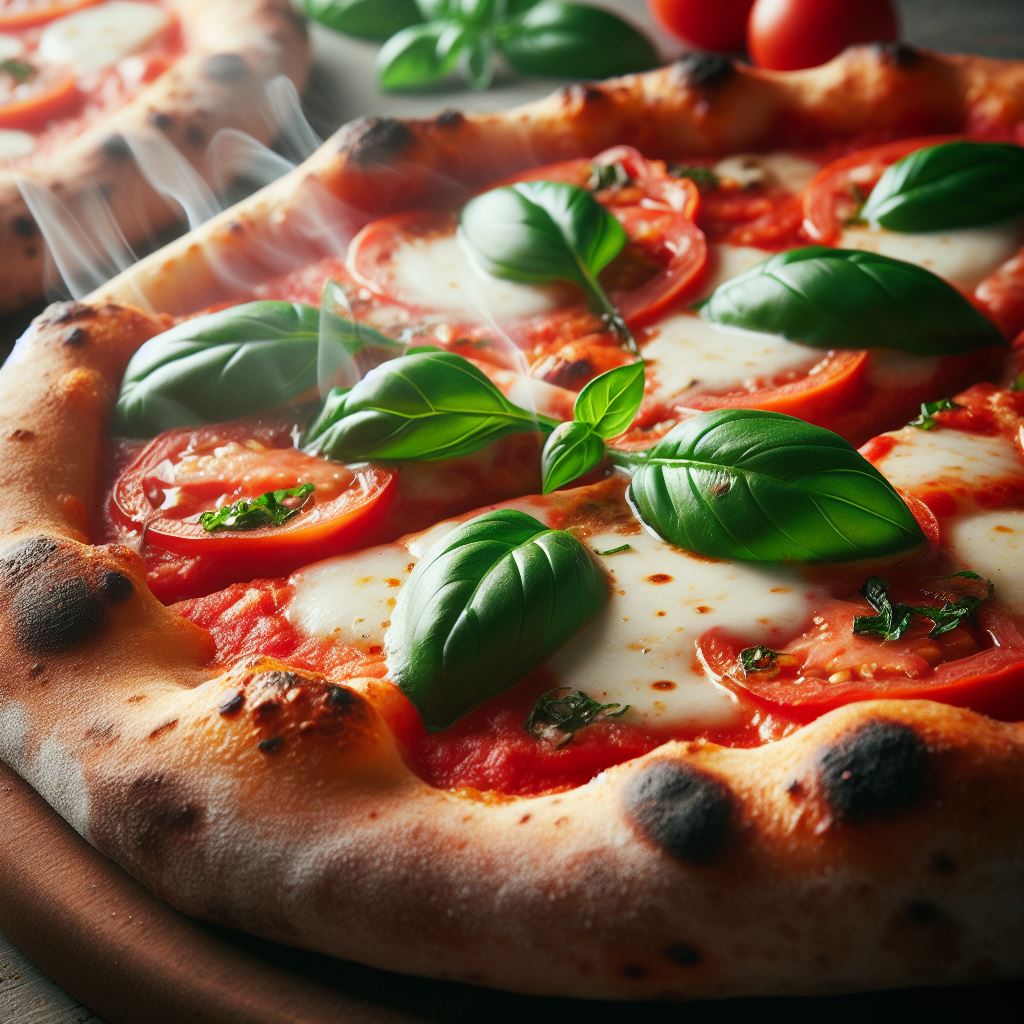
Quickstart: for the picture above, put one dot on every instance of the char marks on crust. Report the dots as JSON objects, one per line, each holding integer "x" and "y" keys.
{"x": 897, "y": 55}
{"x": 226, "y": 68}
{"x": 450, "y": 119}
{"x": 115, "y": 148}
{"x": 684, "y": 811}
{"x": 702, "y": 70}
{"x": 155, "y": 811}
{"x": 374, "y": 140}
{"x": 876, "y": 769}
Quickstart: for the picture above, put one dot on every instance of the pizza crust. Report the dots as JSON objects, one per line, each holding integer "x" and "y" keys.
{"x": 877, "y": 847}
{"x": 232, "y": 49}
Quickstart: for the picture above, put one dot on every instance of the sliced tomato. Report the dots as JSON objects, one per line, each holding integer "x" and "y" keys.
{"x": 665, "y": 255}
{"x": 38, "y": 12}
{"x": 979, "y": 667}
{"x": 837, "y": 192}
{"x": 49, "y": 96}
{"x": 183, "y": 473}
{"x": 1001, "y": 295}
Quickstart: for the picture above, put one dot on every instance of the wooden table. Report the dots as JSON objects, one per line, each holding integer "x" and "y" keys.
{"x": 342, "y": 87}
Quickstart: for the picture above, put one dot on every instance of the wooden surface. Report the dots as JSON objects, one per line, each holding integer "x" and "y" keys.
{"x": 341, "y": 88}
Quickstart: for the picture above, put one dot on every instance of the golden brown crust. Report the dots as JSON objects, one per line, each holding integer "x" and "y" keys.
{"x": 878, "y": 846}
{"x": 233, "y": 48}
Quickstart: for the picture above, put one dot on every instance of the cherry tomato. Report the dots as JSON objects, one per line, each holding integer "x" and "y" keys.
{"x": 789, "y": 34}
{"x": 50, "y": 95}
{"x": 721, "y": 25}
{"x": 185, "y": 472}
{"x": 38, "y": 12}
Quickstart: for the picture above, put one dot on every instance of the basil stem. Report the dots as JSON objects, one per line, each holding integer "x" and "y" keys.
{"x": 537, "y": 232}
{"x": 848, "y": 299}
{"x": 485, "y": 604}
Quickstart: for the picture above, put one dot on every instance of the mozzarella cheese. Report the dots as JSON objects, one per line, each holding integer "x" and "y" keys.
{"x": 10, "y": 46}
{"x": 97, "y": 37}
{"x": 639, "y": 650}
{"x": 964, "y": 257}
{"x": 690, "y": 352}
{"x": 782, "y": 169}
{"x": 952, "y": 460}
{"x": 726, "y": 261}
{"x": 437, "y": 273}
{"x": 992, "y": 543}
{"x": 14, "y": 144}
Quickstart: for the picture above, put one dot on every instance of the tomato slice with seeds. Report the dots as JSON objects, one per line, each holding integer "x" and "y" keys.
{"x": 837, "y": 192}
{"x": 52, "y": 94}
{"x": 183, "y": 473}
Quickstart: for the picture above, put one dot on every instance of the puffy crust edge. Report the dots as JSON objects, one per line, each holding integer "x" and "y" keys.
{"x": 232, "y": 49}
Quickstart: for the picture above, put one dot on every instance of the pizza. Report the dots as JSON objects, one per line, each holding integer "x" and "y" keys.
{"x": 93, "y": 91}
{"x": 575, "y": 551}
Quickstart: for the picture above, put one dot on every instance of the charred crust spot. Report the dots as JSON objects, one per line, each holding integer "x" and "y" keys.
{"x": 195, "y": 136}
{"x": 269, "y": 746}
{"x": 70, "y": 312}
{"x": 634, "y": 971}
{"x": 449, "y": 119}
{"x": 703, "y": 70}
{"x": 376, "y": 140}
{"x": 115, "y": 147}
{"x": 26, "y": 558}
{"x": 157, "y": 811}
{"x": 75, "y": 337}
{"x": 922, "y": 912}
{"x": 276, "y": 680}
{"x": 21, "y": 434}
{"x": 682, "y": 954}
{"x": 685, "y": 812}
{"x": 231, "y": 704}
{"x": 581, "y": 94}
{"x": 24, "y": 227}
{"x": 165, "y": 728}
{"x": 943, "y": 863}
{"x": 161, "y": 121}
{"x": 115, "y": 587}
{"x": 897, "y": 55}
{"x": 340, "y": 698}
{"x": 52, "y": 615}
{"x": 874, "y": 770}
{"x": 226, "y": 67}
{"x": 572, "y": 374}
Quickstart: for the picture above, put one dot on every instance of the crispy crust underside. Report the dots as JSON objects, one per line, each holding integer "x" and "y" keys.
{"x": 232, "y": 49}
{"x": 879, "y": 846}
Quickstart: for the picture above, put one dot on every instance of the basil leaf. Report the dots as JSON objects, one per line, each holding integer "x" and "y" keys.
{"x": 609, "y": 403}
{"x": 571, "y": 450}
{"x": 424, "y": 406}
{"x": 330, "y": 412}
{"x": 952, "y": 185}
{"x": 559, "y": 714}
{"x": 845, "y": 298}
{"x": 540, "y": 231}
{"x": 480, "y": 62}
{"x": 703, "y": 177}
{"x": 758, "y": 659}
{"x": 420, "y": 55}
{"x": 484, "y": 605}
{"x": 364, "y": 19}
{"x": 19, "y": 70}
{"x": 274, "y": 508}
{"x": 570, "y": 40}
{"x": 926, "y": 419}
{"x": 610, "y": 175}
{"x": 233, "y": 363}
{"x": 893, "y": 620}
{"x": 762, "y": 486}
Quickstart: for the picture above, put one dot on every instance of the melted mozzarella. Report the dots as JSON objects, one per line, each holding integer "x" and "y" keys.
{"x": 639, "y": 650}
{"x": 10, "y": 46}
{"x": 726, "y": 261}
{"x": 965, "y": 256}
{"x": 953, "y": 460}
{"x": 14, "y": 144}
{"x": 437, "y": 274}
{"x": 690, "y": 352}
{"x": 992, "y": 543}
{"x": 781, "y": 169}
{"x": 100, "y": 36}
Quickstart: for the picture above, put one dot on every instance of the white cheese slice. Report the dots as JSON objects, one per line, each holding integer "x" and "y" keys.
{"x": 992, "y": 544}
{"x": 97, "y": 37}
{"x": 639, "y": 650}
{"x": 726, "y": 261}
{"x": 688, "y": 352}
{"x": 952, "y": 460}
{"x": 785, "y": 170}
{"x": 436, "y": 273}
{"x": 14, "y": 144}
{"x": 964, "y": 257}
{"x": 10, "y": 46}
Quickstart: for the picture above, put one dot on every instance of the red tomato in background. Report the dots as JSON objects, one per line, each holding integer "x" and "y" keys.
{"x": 788, "y": 34}
{"x": 709, "y": 24}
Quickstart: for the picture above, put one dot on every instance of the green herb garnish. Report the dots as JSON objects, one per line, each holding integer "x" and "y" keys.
{"x": 559, "y": 714}
{"x": 757, "y": 659}
{"x": 274, "y": 508}
{"x": 614, "y": 551}
{"x": 19, "y": 70}
{"x": 703, "y": 177}
{"x": 926, "y": 419}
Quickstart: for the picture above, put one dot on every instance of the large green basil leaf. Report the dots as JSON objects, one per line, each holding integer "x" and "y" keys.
{"x": 761, "y": 486}
{"x": 485, "y": 604}
{"x": 237, "y": 362}
{"x": 420, "y": 55}
{"x": 952, "y": 185}
{"x": 845, "y": 298}
{"x": 541, "y": 231}
{"x": 364, "y": 19}
{"x": 426, "y": 405}
{"x": 571, "y": 450}
{"x": 575, "y": 41}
